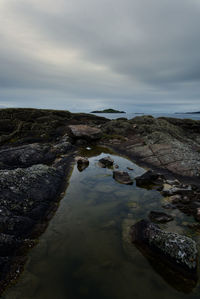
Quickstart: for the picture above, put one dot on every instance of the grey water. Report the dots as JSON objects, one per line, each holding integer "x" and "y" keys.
{"x": 130, "y": 115}
{"x": 84, "y": 252}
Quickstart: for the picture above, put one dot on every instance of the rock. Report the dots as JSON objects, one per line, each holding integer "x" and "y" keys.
{"x": 8, "y": 244}
{"x": 174, "y": 199}
{"x": 172, "y": 182}
{"x": 160, "y": 217}
{"x": 122, "y": 177}
{"x": 168, "y": 206}
{"x": 195, "y": 226}
{"x": 85, "y": 132}
{"x": 186, "y": 190}
{"x": 16, "y": 225}
{"x": 82, "y": 163}
{"x": 117, "y": 128}
{"x": 26, "y": 155}
{"x": 185, "y": 200}
{"x": 166, "y": 187}
{"x": 81, "y": 142}
{"x": 116, "y": 166}
{"x": 149, "y": 178}
{"x": 129, "y": 168}
{"x": 106, "y": 162}
{"x": 62, "y": 147}
{"x": 182, "y": 281}
{"x": 180, "y": 251}
{"x": 198, "y": 214}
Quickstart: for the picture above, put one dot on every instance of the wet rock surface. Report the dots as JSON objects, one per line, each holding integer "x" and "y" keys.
{"x": 178, "y": 250}
{"x": 122, "y": 177}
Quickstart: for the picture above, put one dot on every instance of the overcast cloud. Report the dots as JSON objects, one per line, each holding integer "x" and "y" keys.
{"x": 135, "y": 55}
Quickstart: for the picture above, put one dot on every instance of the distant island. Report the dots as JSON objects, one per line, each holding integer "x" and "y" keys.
{"x": 107, "y": 111}
{"x": 196, "y": 112}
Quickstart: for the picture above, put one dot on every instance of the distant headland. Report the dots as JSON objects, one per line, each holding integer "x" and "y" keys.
{"x": 107, "y": 111}
{"x": 195, "y": 112}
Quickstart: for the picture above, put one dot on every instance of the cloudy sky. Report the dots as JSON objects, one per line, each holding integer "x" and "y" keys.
{"x": 134, "y": 55}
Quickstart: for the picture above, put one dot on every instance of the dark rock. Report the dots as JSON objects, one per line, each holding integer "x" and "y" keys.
{"x": 174, "y": 199}
{"x": 8, "y": 244}
{"x": 62, "y": 147}
{"x": 122, "y": 177}
{"x": 16, "y": 225}
{"x": 38, "y": 211}
{"x": 81, "y": 142}
{"x": 82, "y": 163}
{"x": 176, "y": 249}
{"x": 185, "y": 200}
{"x": 85, "y": 132}
{"x": 129, "y": 168}
{"x": 149, "y": 178}
{"x": 197, "y": 216}
{"x": 26, "y": 155}
{"x": 160, "y": 217}
{"x": 106, "y": 162}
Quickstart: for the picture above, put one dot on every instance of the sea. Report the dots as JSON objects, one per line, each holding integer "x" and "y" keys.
{"x": 195, "y": 116}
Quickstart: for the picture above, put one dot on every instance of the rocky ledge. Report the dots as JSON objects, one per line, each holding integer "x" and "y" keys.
{"x": 37, "y": 151}
{"x": 173, "y": 248}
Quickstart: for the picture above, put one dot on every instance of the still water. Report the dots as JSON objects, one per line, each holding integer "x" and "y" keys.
{"x": 84, "y": 252}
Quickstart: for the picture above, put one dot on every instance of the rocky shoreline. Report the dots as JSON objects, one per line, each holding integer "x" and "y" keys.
{"x": 37, "y": 152}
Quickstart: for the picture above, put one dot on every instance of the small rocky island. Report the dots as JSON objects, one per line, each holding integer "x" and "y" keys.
{"x": 38, "y": 149}
{"x": 107, "y": 111}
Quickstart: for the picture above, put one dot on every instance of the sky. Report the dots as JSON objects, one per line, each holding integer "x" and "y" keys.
{"x": 81, "y": 55}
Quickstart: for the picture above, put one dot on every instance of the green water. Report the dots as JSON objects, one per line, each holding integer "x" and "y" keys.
{"x": 84, "y": 252}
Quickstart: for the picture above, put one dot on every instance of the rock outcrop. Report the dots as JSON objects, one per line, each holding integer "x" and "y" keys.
{"x": 180, "y": 251}
{"x": 166, "y": 143}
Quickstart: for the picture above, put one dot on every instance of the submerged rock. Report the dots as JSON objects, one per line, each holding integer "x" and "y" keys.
{"x": 106, "y": 162}
{"x": 180, "y": 251}
{"x": 85, "y": 132}
{"x": 82, "y": 163}
{"x": 122, "y": 177}
{"x": 160, "y": 217}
